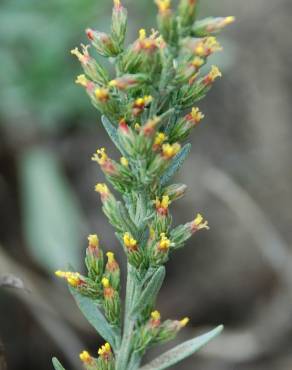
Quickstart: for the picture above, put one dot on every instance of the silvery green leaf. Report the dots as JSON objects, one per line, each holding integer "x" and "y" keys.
{"x": 151, "y": 290}
{"x": 182, "y": 351}
{"x": 112, "y": 132}
{"x": 175, "y": 164}
{"x": 57, "y": 364}
{"x": 53, "y": 221}
{"x": 94, "y": 316}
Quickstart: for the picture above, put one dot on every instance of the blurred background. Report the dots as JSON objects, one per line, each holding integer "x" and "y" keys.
{"x": 239, "y": 176}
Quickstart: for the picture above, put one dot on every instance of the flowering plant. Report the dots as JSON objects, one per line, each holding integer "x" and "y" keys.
{"x": 147, "y": 110}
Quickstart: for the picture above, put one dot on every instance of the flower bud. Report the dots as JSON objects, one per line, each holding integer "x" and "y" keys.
{"x": 73, "y": 278}
{"x": 127, "y": 137}
{"x": 155, "y": 319}
{"x": 160, "y": 138}
{"x": 112, "y": 271}
{"x": 119, "y": 23}
{"x": 206, "y": 46}
{"x": 111, "y": 303}
{"x": 212, "y": 75}
{"x": 87, "y": 360}
{"x": 135, "y": 255}
{"x": 107, "y": 165}
{"x": 199, "y": 223}
{"x": 94, "y": 258}
{"x": 106, "y": 359}
{"x": 170, "y": 328}
{"x": 170, "y": 150}
{"x": 103, "y": 43}
{"x": 150, "y": 126}
{"x": 128, "y": 81}
{"x": 90, "y": 66}
{"x": 184, "y": 126}
{"x": 211, "y": 25}
{"x": 160, "y": 250}
{"x": 166, "y": 21}
{"x": 175, "y": 191}
{"x": 140, "y": 104}
{"x": 162, "y": 205}
{"x": 187, "y": 12}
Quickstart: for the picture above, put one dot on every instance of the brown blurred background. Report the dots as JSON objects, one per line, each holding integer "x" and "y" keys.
{"x": 239, "y": 176}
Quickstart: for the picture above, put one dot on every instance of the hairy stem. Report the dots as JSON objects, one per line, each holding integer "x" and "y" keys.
{"x": 129, "y": 322}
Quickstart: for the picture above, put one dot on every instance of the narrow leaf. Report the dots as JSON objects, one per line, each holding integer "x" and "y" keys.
{"x": 52, "y": 218}
{"x": 175, "y": 164}
{"x": 57, "y": 364}
{"x": 151, "y": 290}
{"x": 112, "y": 133}
{"x": 94, "y": 316}
{"x": 182, "y": 351}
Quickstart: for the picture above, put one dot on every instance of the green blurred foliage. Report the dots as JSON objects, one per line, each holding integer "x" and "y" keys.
{"x": 37, "y": 70}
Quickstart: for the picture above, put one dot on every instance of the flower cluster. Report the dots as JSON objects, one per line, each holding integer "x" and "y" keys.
{"x": 148, "y": 109}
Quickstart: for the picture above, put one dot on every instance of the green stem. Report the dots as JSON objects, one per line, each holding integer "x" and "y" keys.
{"x": 129, "y": 323}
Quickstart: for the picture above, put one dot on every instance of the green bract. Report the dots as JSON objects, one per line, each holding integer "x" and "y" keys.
{"x": 147, "y": 110}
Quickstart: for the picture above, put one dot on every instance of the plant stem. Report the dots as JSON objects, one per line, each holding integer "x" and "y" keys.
{"x": 129, "y": 323}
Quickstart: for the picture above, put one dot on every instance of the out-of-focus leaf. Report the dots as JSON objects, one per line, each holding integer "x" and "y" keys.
{"x": 11, "y": 281}
{"x": 57, "y": 364}
{"x": 94, "y": 316}
{"x": 182, "y": 351}
{"x": 52, "y": 218}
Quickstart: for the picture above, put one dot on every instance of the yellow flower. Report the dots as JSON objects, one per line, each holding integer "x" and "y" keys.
{"x": 137, "y": 126}
{"x": 129, "y": 241}
{"x": 141, "y": 102}
{"x": 229, "y": 20}
{"x": 105, "y": 282}
{"x": 111, "y": 257}
{"x": 77, "y": 53}
{"x": 105, "y": 350}
{"x": 207, "y": 46}
{"x": 100, "y": 156}
{"x": 124, "y": 162}
{"x": 155, "y": 315}
{"x": 184, "y": 322}
{"x": 102, "y": 94}
{"x": 170, "y": 150}
{"x": 164, "y": 242}
{"x": 117, "y": 3}
{"x": 214, "y": 73}
{"x": 81, "y": 80}
{"x": 102, "y": 189}
{"x": 199, "y": 223}
{"x": 113, "y": 83}
{"x": 198, "y": 62}
{"x": 85, "y": 357}
{"x": 163, "y": 204}
{"x": 163, "y": 5}
{"x": 73, "y": 278}
{"x": 142, "y": 34}
{"x": 93, "y": 240}
{"x": 159, "y": 139}
{"x": 197, "y": 115}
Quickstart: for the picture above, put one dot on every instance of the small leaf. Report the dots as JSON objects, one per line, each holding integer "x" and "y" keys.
{"x": 182, "y": 351}
{"x": 92, "y": 313}
{"x": 151, "y": 290}
{"x": 175, "y": 164}
{"x": 57, "y": 364}
{"x": 112, "y": 133}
